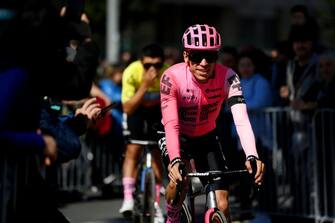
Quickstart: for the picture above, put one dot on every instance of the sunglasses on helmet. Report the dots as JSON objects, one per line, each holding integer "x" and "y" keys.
{"x": 157, "y": 66}
{"x": 198, "y": 56}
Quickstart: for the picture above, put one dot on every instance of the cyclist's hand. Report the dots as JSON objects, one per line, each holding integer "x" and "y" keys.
{"x": 259, "y": 168}
{"x": 149, "y": 76}
{"x": 174, "y": 173}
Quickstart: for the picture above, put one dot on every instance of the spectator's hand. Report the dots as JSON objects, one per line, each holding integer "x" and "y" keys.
{"x": 91, "y": 108}
{"x": 284, "y": 92}
{"x": 50, "y": 150}
{"x": 260, "y": 169}
{"x": 149, "y": 76}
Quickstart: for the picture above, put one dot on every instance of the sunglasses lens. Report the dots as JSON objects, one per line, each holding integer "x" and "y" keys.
{"x": 155, "y": 65}
{"x": 158, "y": 65}
{"x": 197, "y": 57}
{"x": 147, "y": 66}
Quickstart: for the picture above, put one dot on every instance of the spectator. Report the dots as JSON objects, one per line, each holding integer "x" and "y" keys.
{"x": 228, "y": 57}
{"x": 258, "y": 95}
{"x": 300, "y": 16}
{"x": 326, "y": 96}
{"x": 302, "y": 77}
{"x": 111, "y": 86}
{"x": 325, "y": 88}
{"x": 280, "y": 58}
{"x": 302, "y": 70}
{"x": 33, "y": 52}
{"x": 172, "y": 56}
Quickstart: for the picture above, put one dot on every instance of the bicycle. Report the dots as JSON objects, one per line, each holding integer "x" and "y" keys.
{"x": 212, "y": 213}
{"x": 145, "y": 192}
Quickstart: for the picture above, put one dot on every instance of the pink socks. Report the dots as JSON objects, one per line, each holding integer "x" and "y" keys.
{"x": 128, "y": 187}
{"x": 158, "y": 193}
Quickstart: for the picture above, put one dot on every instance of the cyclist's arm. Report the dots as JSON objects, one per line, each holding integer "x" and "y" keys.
{"x": 132, "y": 92}
{"x": 169, "y": 107}
{"x": 134, "y": 102}
{"x": 238, "y": 108}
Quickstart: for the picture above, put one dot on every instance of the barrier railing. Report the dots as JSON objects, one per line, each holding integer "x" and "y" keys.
{"x": 299, "y": 148}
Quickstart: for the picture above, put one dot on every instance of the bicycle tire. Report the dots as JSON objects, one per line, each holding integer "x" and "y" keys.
{"x": 149, "y": 196}
{"x": 215, "y": 216}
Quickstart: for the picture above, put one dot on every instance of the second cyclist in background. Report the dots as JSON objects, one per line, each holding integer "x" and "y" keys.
{"x": 192, "y": 93}
{"x": 141, "y": 107}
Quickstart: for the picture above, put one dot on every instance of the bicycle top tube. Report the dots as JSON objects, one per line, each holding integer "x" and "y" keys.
{"x": 143, "y": 142}
{"x": 216, "y": 173}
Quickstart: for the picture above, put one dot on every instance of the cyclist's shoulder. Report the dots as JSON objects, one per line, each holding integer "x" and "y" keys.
{"x": 176, "y": 71}
{"x": 176, "y": 68}
{"x": 133, "y": 69}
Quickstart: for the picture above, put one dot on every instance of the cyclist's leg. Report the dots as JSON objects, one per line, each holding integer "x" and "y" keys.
{"x": 129, "y": 172}
{"x": 222, "y": 202}
{"x": 157, "y": 167}
{"x": 132, "y": 129}
{"x": 213, "y": 159}
{"x": 173, "y": 209}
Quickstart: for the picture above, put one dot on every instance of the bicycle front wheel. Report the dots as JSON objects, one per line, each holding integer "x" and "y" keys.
{"x": 149, "y": 196}
{"x": 215, "y": 216}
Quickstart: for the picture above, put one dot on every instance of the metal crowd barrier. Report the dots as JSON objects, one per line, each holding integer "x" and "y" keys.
{"x": 299, "y": 150}
{"x": 95, "y": 167}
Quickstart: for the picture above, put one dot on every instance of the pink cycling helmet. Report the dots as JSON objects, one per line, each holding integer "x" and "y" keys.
{"x": 201, "y": 37}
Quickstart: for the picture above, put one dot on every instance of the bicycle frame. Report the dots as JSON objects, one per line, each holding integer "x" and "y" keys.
{"x": 211, "y": 204}
{"x": 146, "y": 194}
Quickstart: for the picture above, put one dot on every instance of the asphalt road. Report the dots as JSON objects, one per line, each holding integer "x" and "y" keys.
{"x": 107, "y": 211}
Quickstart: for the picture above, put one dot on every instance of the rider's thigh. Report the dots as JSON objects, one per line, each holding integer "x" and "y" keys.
{"x": 133, "y": 151}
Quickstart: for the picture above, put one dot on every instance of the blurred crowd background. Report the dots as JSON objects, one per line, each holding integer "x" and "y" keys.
{"x": 52, "y": 60}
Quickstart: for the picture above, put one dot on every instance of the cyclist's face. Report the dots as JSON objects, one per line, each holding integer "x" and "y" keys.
{"x": 154, "y": 63}
{"x": 201, "y": 64}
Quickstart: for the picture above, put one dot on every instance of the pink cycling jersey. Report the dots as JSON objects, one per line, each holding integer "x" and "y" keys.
{"x": 191, "y": 108}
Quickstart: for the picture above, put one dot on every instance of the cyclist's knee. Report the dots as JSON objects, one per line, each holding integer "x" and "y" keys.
{"x": 222, "y": 200}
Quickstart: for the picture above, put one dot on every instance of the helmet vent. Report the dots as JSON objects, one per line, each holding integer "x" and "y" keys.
{"x": 204, "y": 40}
{"x": 196, "y": 41}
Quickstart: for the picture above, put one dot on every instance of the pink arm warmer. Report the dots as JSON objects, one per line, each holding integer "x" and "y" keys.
{"x": 244, "y": 130}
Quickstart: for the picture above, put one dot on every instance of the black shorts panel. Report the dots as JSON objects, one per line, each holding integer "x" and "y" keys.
{"x": 139, "y": 125}
{"x": 207, "y": 154}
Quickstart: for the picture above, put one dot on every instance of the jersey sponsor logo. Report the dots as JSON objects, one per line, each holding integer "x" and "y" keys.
{"x": 165, "y": 85}
{"x": 188, "y": 114}
{"x": 234, "y": 82}
{"x": 190, "y": 97}
{"x": 207, "y": 109}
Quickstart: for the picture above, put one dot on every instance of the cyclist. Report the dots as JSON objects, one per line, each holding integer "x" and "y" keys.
{"x": 140, "y": 99}
{"x": 192, "y": 93}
